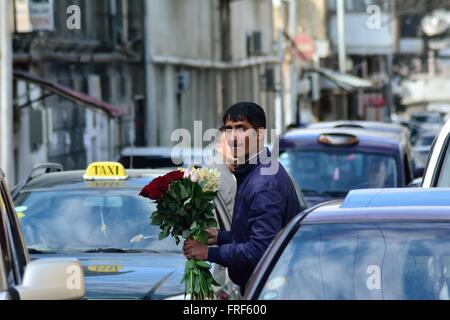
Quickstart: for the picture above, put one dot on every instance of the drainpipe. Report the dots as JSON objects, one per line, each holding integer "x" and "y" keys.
{"x": 6, "y": 93}
{"x": 113, "y": 22}
{"x": 293, "y": 66}
{"x": 150, "y": 123}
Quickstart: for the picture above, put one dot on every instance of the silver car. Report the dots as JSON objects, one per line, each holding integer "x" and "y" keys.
{"x": 437, "y": 172}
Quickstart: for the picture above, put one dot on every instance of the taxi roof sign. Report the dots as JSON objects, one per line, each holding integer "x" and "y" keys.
{"x": 105, "y": 171}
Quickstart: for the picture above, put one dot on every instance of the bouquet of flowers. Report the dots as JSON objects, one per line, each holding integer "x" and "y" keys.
{"x": 185, "y": 210}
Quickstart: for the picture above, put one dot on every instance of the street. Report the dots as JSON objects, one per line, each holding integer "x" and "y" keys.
{"x": 224, "y": 150}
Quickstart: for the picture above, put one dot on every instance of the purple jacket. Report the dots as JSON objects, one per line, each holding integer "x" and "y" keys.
{"x": 264, "y": 204}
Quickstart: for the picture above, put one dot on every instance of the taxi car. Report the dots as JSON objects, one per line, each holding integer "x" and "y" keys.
{"x": 390, "y": 244}
{"x": 437, "y": 170}
{"x": 42, "y": 279}
{"x": 329, "y": 162}
{"x": 98, "y": 217}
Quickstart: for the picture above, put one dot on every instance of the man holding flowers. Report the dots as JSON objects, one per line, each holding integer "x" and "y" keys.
{"x": 264, "y": 203}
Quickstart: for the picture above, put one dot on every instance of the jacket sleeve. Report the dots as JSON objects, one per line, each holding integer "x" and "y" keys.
{"x": 224, "y": 237}
{"x": 265, "y": 220}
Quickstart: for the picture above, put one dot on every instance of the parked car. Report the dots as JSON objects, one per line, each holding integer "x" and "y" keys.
{"x": 422, "y": 147}
{"x": 40, "y": 279}
{"x": 378, "y": 244}
{"x": 159, "y": 157}
{"x": 328, "y": 163}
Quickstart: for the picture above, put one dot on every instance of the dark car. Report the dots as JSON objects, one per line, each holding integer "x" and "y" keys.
{"x": 328, "y": 163}
{"x": 40, "y": 279}
{"x": 160, "y": 157}
{"x": 105, "y": 224}
{"x": 378, "y": 244}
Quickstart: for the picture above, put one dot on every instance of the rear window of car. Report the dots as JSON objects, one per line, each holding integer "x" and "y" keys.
{"x": 363, "y": 261}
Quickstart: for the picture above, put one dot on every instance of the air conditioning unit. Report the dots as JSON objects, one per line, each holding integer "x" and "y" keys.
{"x": 254, "y": 44}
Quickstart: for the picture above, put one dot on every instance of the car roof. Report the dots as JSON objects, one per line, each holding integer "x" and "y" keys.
{"x": 74, "y": 180}
{"x": 385, "y": 205}
{"x": 303, "y": 138}
{"x": 155, "y": 151}
{"x": 367, "y": 125}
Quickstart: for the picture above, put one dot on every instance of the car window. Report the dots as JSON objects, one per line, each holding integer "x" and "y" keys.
{"x": 363, "y": 261}
{"x": 334, "y": 173}
{"x": 84, "y": 220}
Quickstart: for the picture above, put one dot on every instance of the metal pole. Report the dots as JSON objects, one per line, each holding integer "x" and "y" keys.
{"x": 151, "y": 125}
{"x": 293, "y": 67}
{"x": 6, "y": 92}
{"x": 341, "y": 36}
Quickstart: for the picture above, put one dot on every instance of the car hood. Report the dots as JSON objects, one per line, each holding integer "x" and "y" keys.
{"x": 130, "y": 275}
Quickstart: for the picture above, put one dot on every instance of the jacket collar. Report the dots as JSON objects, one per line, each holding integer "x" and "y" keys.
{"x": 242, "y": 171}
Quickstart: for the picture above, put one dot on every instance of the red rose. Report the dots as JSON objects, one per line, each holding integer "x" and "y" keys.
{"x": 174, "y": 176}
{"x": 159, "y": 186}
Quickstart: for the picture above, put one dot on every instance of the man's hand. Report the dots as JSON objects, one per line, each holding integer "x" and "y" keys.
{"x": 212, "y": 236}
{"x": 195, "y": 250}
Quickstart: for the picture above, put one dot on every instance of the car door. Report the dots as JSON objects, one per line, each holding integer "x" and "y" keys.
{"x": 18, "y": 248}
{"x": 7, "y": 272}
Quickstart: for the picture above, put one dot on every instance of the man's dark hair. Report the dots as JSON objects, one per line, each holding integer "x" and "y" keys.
{"x": 249, "y": 111}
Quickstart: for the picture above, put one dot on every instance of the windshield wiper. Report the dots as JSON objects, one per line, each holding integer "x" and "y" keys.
{"x": 310, "y": 193}
{"x": 36, "y": 251}
{"x": 112, "y": 250}
{"x": 335, "y": 193}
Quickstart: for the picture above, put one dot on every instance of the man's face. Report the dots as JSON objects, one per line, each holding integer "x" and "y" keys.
{"x": 242, "y": 138}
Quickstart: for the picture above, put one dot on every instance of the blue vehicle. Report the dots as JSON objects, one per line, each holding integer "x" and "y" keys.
{"x": 327, "y": 163}
{"x": 101, "y": 221}
{"x": 381, "y": 244}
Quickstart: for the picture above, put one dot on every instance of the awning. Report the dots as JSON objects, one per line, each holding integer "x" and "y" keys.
{"x": 77, "y": 97}
{"x": 344, "y": 81}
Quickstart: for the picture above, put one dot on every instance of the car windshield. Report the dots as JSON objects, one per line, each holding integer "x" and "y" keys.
{"x": 334, "y": 172}
{"x": 425, "y": 141}
{"x": 363, "y": 261}
{"x": 429, "y": 118}
{"x": 86, "y": 220}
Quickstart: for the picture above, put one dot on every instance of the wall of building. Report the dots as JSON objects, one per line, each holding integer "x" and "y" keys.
{"x": 210, "y": 85}
{"x": 74, "y": 135}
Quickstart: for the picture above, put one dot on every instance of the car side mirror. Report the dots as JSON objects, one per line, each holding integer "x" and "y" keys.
{"x": 52, "y": 279}
{"x": 417, "y": 183}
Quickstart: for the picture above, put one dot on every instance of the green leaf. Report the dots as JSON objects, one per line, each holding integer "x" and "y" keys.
{"x": 164, "y": 233}
{"x": 157, "y": 219}
{"x": 186, "y": 234}
{"x": 203, "y": 265}
{"x": 183, "y": 193}
{"x": 193, "y": 226}
{"x": 211, "y": 223}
